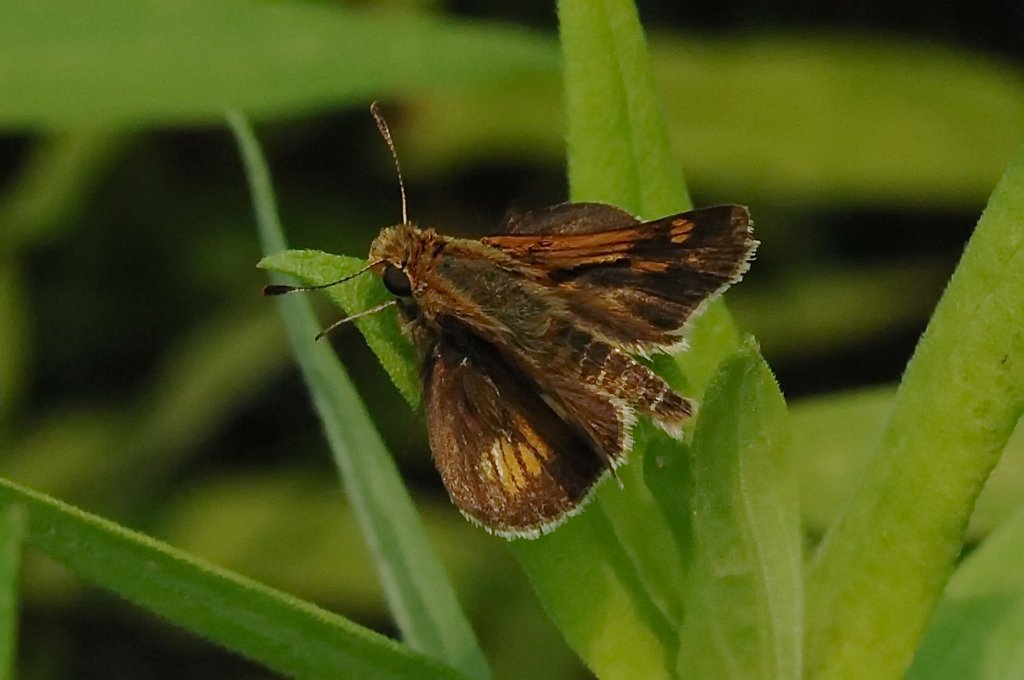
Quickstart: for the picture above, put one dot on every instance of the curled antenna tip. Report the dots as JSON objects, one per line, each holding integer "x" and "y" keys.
{"x": 277, "y": 289}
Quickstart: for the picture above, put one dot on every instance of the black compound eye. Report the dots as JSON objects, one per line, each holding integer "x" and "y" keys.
{"x": 396, "y": 281}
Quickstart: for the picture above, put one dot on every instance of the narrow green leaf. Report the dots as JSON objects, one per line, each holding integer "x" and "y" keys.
{"x": 961, "y": 396}
{"x": 419, "y": 593}
{"x": 618, "y": 142}
{"x": 745, "y": 609}
{"x": 607, "y": 70}
{"x": 381, "y": 331}
{"x": 148, "y": 61}
{"x": 12, "y": 533}
{"x": 288, "y": 635}
{"x": 978, "y": 628}
{"x": 619, "y": 154}
{"x": 635, "y": 536}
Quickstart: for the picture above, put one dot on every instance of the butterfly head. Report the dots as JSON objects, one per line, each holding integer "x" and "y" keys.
{"x": 403, "y": 253}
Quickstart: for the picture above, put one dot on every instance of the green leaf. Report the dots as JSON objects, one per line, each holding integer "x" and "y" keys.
{"x": 12, "y": 533}
{"x": 624, "y": 625}
{"x": 138, "y": 62}
{"x": 381, "y": 330}
{"x": 607, "y": 69}
{"x": 419, "y": 593}
{"x": 635, "y": 538}
{"x": 288, "y": 635}
{"x": 962, "y": 394}
{"x": 744, "y": 616}
{"x": 978, "y": 628}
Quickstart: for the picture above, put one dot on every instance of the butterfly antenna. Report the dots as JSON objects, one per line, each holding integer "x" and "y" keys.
{"x": 367, "y": 312}
{"x": 282, "y": 289}
{"x": 382, "y": 125}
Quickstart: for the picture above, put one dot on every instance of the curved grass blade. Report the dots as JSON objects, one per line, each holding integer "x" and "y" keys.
{"x": 419, "y": 593}
{"x": 291, "y": 636}
{"x": 961, "y": 396}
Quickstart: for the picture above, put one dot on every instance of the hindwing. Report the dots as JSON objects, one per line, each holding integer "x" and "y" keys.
{"x": 508, "y": 460}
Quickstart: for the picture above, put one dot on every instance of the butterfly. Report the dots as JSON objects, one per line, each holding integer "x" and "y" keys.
{"x": 529, "y": 338}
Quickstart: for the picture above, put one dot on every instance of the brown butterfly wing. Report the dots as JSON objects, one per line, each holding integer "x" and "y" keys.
{"x": 508, "y": 461}
{"x": 639, "y": 284}
{"x": 569, "y": 218}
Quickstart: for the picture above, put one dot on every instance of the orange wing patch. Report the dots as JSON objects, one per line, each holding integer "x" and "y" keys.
{"x": 652, "y": 266}
{"x": 571, "y": 250}
{"x": 514, "y": 463}
{"x": 681, "y": 230}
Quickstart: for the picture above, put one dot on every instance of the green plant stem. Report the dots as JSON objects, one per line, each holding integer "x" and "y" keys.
{"x": 881, "y": 568}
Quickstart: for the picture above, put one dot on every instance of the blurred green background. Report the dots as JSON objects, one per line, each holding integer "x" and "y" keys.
{"x": 143, "y": 377}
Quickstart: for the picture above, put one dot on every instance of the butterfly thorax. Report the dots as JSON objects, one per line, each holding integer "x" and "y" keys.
{"x": 454, "y": 285}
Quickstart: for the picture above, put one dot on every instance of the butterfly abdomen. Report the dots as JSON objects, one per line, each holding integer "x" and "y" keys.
{"x": 616, "y": 373}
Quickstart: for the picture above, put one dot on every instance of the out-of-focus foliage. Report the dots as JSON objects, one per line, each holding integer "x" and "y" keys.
{"x": 123, "y": 63}
{"x": 880, "y": 121}
{"x": 143, "y": 378}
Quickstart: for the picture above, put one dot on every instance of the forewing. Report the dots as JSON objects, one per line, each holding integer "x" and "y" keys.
{"x": 639, "y": 285}
{"x": 569, "y": 218}
{"x": 508, "y": 461}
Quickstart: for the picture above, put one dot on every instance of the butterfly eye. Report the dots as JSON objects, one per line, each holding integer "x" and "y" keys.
{"x": 396, "y": 281}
